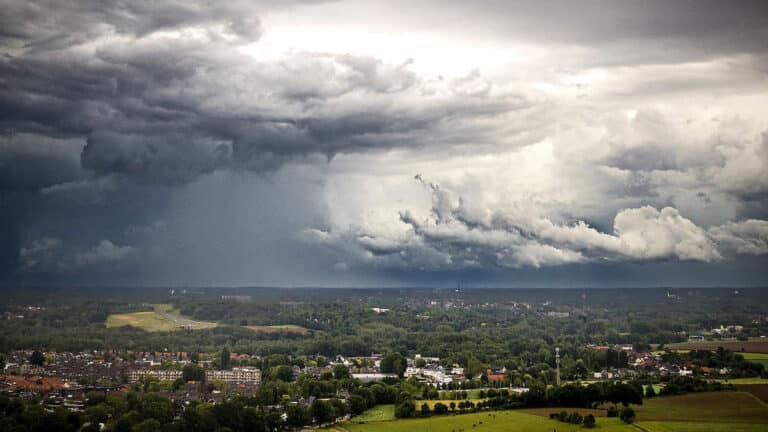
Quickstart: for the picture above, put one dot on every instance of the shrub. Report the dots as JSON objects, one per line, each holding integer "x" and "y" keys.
{"x": 612, "y": 412}
{"x": 405, "y": 409}
{"x": 440, "y": 408}
{"x": 650, "y": 392}
{"x": 627, "y": 415}
{"x": 589, "y": 421}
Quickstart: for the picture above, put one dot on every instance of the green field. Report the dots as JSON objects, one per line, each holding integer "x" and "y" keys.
{"x": 697, "y": 412}
{"x": 744, "y": 381}
{"x": 494, "y": 421}
{"x": 377, "y": 413}
{"x": 761, "y": 358}
{"x": 701, "y": 427}
{"x": 164, "y": 318}
{"x": 716, "y": 407}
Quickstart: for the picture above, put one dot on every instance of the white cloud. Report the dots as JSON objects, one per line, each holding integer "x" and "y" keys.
{"x": 104, "y": 252}
{"x": 746, "y": 237}
{"x": 449, "y": 237}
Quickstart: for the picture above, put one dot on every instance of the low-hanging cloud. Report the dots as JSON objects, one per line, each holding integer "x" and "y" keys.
{"x": 453, "y": 237}
{"x": 51, "y": 255}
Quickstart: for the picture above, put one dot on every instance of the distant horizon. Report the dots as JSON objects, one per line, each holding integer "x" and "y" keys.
{"x": 371, "y": 287}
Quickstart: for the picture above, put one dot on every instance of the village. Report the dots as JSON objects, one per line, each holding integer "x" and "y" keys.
{"x": 65, "y": 379}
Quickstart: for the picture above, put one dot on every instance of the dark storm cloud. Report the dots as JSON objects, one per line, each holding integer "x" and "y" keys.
{"x": 30, "y": 162}
{"x": 42, "y": 24}
{"x": 165, "y": 110}
{"x": 104, "y": 89}
{"x": 112, "y": 110}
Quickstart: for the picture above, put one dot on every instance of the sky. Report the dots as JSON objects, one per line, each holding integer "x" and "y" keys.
{"x": 384, "y": 143}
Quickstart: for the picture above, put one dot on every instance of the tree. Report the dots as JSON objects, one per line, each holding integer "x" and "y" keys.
{"x": 394, "y": 363}
{"x": 357, "y": 404}
{"x": 225, "y": 361}
{"x": 440, "y": 408}
{"x": 178, "y": 383}
{"x": 322, "y": 411}
{"x": 297, "y": 416}
{"x": 283, "y": 373}
{"x": 624, "y": 394}
{"x": 649, "y": 391}
{"x": 148, "y": 425}
{"x": 37, "y": 358}
{"x": 627, "y": 415}
{"x": 192, "y": 372}
{"x": 405, "y": 409}
{"x": 341, "y": 372}
{"x": 154, "y": 406}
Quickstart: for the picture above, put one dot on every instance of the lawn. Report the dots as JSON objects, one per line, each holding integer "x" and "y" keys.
{"x": 163, "y": 318}
{"x": 377, "y": 413}
{"x": 494, "y": 421}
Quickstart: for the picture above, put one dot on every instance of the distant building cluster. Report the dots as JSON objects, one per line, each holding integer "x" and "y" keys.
{"x": 244, "y": 375}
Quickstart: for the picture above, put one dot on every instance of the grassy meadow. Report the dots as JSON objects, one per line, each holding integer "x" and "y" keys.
{"x": 489, "y": 421}
{"x": 697, "y": 412}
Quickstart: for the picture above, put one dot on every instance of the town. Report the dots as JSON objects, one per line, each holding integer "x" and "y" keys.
{"x": 309, "y": 359}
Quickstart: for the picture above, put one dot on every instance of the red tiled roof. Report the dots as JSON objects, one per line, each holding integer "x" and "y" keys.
{"x": 31, "y": 382}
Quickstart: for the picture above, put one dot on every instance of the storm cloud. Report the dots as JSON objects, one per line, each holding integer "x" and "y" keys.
{"x": 143, "y": 140}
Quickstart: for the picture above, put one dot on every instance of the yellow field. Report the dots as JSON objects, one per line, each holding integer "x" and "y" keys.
{"x": 162, "y": 319}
